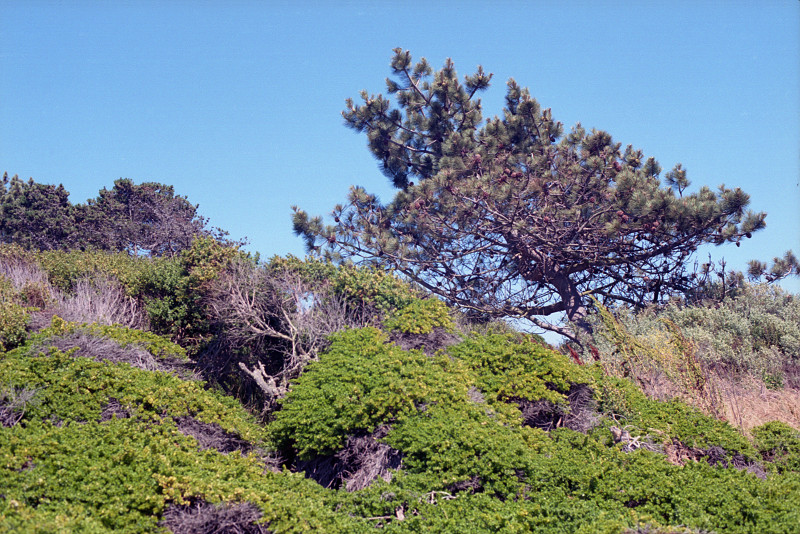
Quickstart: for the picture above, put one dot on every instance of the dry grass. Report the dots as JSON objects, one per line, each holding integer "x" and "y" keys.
{"x": 99, "y": 300}
{"x": 748, "y": 403}
{"x": 13, "y": 402}
{"x": 90, "y": 345}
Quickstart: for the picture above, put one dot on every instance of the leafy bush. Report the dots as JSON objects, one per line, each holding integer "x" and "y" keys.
{"x": 779, "y": 444}
{"x": 755, "y": 332}
{"x": 359, "y": 285}
{"x": 13, "y": 317}
{"x": 510, "y": 368}
{"x": 358, "y": 384}
{"x": 65, "y": 268}
{"x": 420, "y": 316}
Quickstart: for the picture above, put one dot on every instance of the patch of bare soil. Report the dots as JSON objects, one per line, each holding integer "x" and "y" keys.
{"x": 206, "y": 518}
{"x": 211, "y": 436}
{"x": 362, "y": 460}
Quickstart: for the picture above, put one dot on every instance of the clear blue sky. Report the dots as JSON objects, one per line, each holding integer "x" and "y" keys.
{"x": 237, "y": 103}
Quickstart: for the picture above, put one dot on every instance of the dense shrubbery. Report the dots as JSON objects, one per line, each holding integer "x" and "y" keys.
{"x": 401, "y": 414}
{"x": 755, "y": 332}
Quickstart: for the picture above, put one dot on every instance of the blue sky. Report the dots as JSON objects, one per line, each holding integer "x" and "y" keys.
{"x": 237, "y": 104}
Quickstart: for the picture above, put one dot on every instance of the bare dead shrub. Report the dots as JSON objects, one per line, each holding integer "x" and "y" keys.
{"x": 473, "y": 484}
{"x": 428, "y": 343}
{"x": 362, "y": 460}
{"x": 92, "y": 345}
{"x": 13, "y": 402}
{"x": 578, "y": 413}
{"x": 28, "y": 280}
{"x": 99, "y": 300}
{"x": 679, "y": 453}
{"x": 582, "y": 415}
{"x": 114, "y": 410}
{"x": 21, "y": 272}
{"x": 365, "y": 460}
{"x": 277, "y": 318}
{"x": 211, "y": 436}
{"x": 206, "y": 518}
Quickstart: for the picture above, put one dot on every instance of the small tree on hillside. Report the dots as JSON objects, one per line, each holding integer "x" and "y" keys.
{"x": 509, "y": 217}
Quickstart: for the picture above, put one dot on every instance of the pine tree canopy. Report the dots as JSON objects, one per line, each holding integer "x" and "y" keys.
{"x": 511, "y": 216}
{"x": 144, "y": 219}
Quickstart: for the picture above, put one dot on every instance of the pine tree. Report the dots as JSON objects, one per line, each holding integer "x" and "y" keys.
{"x": 33, "y": 215}
{"x": 510, "y": 217}
{"x": 147, "y": 218}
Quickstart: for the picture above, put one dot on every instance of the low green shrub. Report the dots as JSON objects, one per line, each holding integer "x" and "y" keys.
{"x": 359, "y": 383}
{"x": 119, "y": 476}
{"x": 778, "y": 444}
{"x": 508, "y": 367}
{"x": 625, "y": 404}
{"x": 464, "y": 448}
{"x": 420, "y": 316}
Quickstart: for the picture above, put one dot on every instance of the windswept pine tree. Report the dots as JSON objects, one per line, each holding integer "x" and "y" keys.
{"x": 512, "y": 217}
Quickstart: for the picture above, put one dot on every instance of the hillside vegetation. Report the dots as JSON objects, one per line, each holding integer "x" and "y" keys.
{"x": 209, "y": 391}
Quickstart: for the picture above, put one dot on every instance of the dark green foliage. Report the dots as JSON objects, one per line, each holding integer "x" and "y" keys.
{"x": 13, "y": 317}
{"x": 507, "y": 368}
{"x": 35, "y": 216}
{"x": 779, "y": 444}
{"x": 510, "y": 217}
{"x": 144, "y": 219}
{"x": 781, "y": 268}
{"x": 360, "y": 383}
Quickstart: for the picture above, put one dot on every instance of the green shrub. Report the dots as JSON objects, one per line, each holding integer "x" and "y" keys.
{"x": 361, "y": 382}
{"x": 359, "y": 285}
{"x": 119, "y": 476}
{"x": 67, "y": 467}
{"x": 13, "y": 318}
{"x": 464, "y": 447}
{"x": 510, "y": 368}
{"x": 65, "y": 268}
{"x": 622, "y": 401}
{"x": 779, "y": 444}
{"x": 420, "y": 316}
